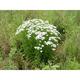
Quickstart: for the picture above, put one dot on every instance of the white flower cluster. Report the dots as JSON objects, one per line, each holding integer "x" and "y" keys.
{"x": 45, "y": 33}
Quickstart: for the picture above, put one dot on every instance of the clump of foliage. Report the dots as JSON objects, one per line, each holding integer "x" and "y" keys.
{"x": 38, "y": 40}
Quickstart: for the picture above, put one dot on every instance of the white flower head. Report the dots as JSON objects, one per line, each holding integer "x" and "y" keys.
{"x": 44, "y": 33}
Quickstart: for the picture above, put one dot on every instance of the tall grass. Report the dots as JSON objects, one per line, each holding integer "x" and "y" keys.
{"x": 68, "y": 23}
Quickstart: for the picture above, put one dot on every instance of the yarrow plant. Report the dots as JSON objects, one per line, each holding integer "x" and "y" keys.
{"x": 41, "y": 36}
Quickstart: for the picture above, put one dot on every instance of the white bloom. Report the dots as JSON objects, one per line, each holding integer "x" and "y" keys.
{"x": 41, "y": 51}
{"x": 44, "y": 33}
{"x": 40, "y": 35}
{"x": 42, "y": 45}
{"x": 29, "y": 36}
{"x": 53, "y": 45}
{"x": 53, "y": 38}
{"x": 53, "y": 49}
{"x": 48, "y": 43}
{"x": 38, "y": 48}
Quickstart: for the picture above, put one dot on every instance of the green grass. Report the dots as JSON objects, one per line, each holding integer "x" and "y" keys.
{"x": 68, "y": 23}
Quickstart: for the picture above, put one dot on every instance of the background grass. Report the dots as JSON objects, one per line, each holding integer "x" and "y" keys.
{"x": 67, "y": 22}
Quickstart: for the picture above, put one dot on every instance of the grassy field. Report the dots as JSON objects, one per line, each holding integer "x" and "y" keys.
{"x": 67, "y": 55}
